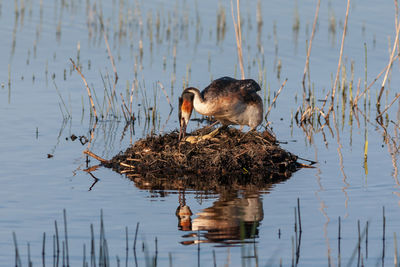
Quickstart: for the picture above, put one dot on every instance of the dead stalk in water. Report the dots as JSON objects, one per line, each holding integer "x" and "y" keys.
{"x": 62, "y": 101}
{"x": 109, "y": 50}
{"x": 355, "y": 102}
{"x": 91, "y": 154}
{"x": 309, "y": 47}
{"x": 277, "y": 94}
{"x": 87, "y": 88}
{"x": 126, "y": 165}
{"x": 131, "y": 97}
{"x": 165, "y": 93}
{"x": 372, "y": 83}
{"x": 127, "y": 113}
{"x": 124, "y": 107}
{"x": 389, "y": 65}
{"x": 396, "y": 5}
{"x": 112, "y": 63}
{"x": 238, "y": 35}
{"x": 395, "y": 98}
{"x": 340, "y": 58}
{"x": 323, "y": 105}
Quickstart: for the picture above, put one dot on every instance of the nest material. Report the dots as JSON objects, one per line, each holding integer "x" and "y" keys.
{"x": 232, "y": 158}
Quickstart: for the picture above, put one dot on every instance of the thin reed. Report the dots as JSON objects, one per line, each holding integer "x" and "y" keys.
{"x": 247, "y": 240}
{"x": 238, "y": 35}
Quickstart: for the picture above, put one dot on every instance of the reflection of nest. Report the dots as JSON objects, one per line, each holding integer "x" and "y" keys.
{"x": 232, "y": 158}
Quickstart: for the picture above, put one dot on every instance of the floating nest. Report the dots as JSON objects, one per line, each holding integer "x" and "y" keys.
{"x": 231, "y": 158}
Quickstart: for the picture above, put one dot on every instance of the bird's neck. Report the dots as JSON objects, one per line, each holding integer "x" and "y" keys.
{"x": 197, "y": 95}
{"x": 199, "y": 103}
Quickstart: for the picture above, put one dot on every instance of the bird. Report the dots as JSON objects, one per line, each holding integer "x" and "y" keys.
{"x": 228, "y": 100}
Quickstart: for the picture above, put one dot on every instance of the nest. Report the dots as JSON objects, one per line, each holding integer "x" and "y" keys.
{"x": 231, "y": 159}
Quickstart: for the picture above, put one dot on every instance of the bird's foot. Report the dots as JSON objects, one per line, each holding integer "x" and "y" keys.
{"x": 194, "y": 139}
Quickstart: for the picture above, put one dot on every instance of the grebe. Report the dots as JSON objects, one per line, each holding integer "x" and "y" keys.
{"x": 228, "y": 100}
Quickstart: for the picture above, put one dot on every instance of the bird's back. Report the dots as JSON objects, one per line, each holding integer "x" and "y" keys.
{"x": 228, "y": 87}
{"x": 234, "y": 101}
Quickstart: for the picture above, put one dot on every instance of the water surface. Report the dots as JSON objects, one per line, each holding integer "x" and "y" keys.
{"x": 178, "y": 43}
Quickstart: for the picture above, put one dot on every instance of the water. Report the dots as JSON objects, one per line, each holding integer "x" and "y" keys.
{"x": 35, "y": 49}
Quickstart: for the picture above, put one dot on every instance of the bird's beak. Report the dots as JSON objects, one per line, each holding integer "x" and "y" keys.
{"x": 182, "y": 122}
{"x": 182, "y": 131}
{"x": 185, "y": 110}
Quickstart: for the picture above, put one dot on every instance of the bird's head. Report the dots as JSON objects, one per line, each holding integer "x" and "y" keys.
{"x": 185, "y": 111}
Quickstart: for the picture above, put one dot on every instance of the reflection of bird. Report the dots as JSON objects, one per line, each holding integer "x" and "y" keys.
{"x": 228, "y": 100}
{"x": 228, "y": 221}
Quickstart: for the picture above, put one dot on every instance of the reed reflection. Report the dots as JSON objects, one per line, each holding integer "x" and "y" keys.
{"x": 233, "y": 218}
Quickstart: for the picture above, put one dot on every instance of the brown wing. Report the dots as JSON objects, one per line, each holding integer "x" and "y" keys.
{"x": 229, "y": 97}
{"x": 227, "y": 85}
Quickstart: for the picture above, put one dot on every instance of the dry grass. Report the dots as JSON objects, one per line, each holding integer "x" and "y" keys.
{"x": 87, "y": 88}
{"x": 340, "y": 58}
{"x": 306, "y": 67}
{"x": 389, "y": 64}
{"x": 238, "y": 35}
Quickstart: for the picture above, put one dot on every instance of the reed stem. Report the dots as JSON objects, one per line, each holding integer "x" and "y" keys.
{"x": 306, "y": 67}
{"x": 238, "y": 35}
{"x": 340, "y": 58}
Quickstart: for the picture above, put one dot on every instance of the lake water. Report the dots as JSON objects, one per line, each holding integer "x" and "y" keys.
{"x": 179, "y": 43}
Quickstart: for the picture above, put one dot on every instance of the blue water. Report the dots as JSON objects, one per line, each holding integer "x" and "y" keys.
{"x": 35, "y": 189}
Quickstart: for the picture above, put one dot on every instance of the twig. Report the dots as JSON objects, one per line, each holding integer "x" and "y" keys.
{"x": 131, "y": 98}
{"x": 88, "y": 152}
{"x": 165, "y": 93}
{"x": 112, "y": 63}
{"x": 238, "y": 35}
{"x": 91, "y": 169}
{"x": 66, "y": 236}
{"x": 87, "y": 88}
{"x": 136, "y": 232}
{"x": 323, "y": 105}
{"x": 44, "y": 249}
{"x": 308, "y": 160}
{"x": 277, "y": 94}
{"x": 305, "y": 166}
{"x": 395, "y": 98}
{"x": 309, "y": 45}
{"x": 17, "y": 257}
{"x": 372, "y": 83}
{"x": 109, "y": 50}
{"x": 298, "y": 213}
{"x": 389, "y": 64}
{"x": 383, "y": 233}
{"x": 126, "y": 108}
{"x": 62, "y": 100}
{"x": 92, "y": 135}
{"x": 123, "y": 112}
{"x": 358, "y": 93}
{"x": 126, "y": 165}
{"x": 398, "y": 126}
{"x": 129, "y": 170}
{"x": 339, "y": 238}
{"x": 340, "y": 57}
{"x": 396, "y": 5}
